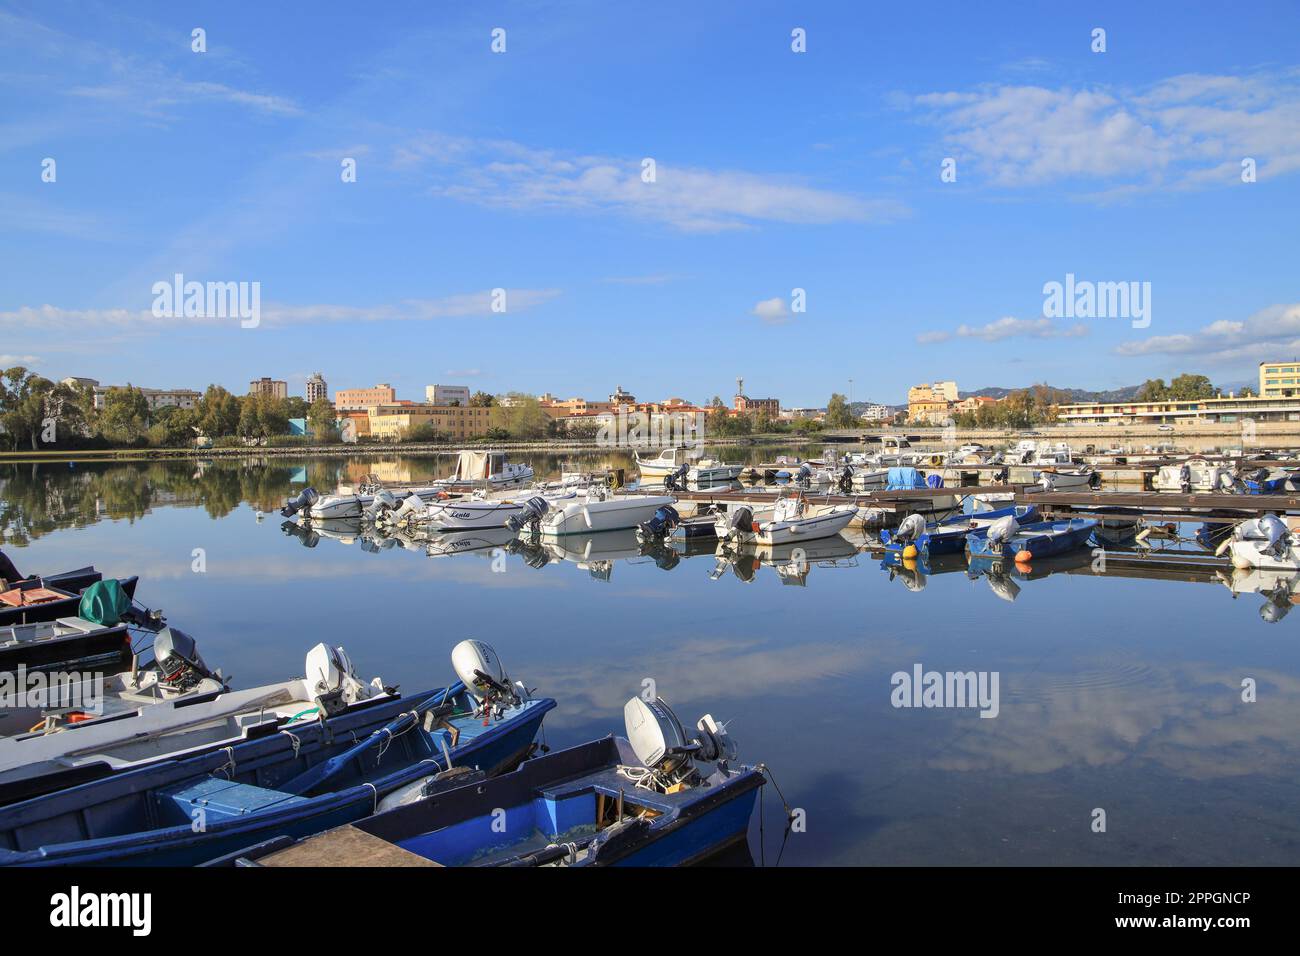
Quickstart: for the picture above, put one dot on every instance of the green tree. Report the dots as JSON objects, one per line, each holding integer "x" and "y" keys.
{"x": 1188, "y": 387}
{"x": 321, "y": 419}
{"x": 29, "y": 402}
{"x": 482, "y": 400}
{"x": 838, "y": 414}
{"x": 219, "y": 412}
{"x": 125, "y": 416}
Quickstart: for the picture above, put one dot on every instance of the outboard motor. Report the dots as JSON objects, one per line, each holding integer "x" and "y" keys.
{"x": 666, "y": 753}
{"x": 742, "y": 519}
{"x": 180, "y": 666}
{"x": 846, "y": 479}
{"x": 911, "y": 528}
{"x": 1003, "y": 530}
{"x": 534, "y": 509}
{"x": 301, "y": 502}
{"x": 484, "y": 676}
{"x": 1185, "y": 478}
{"x": 333, "y": 680}
{"x": 804, "y": 475}
{"x": 665, "y": 519}
{"x": 1047, "y": 481}
{"x": 383, "y": 501}
{"x": 676, "y": 479}
{"x": 412, "y": 505}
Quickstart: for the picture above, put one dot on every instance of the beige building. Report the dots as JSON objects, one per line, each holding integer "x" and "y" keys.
{"x": 931, "y": 403}
{"x": 269, "y": 386}
{"x": 1279, "y": 379}
{"x": 361, "y": 399}
{"x": 155, "y": 397}
{"x": 455, "y": 422}
{"x": 317, "y": 389}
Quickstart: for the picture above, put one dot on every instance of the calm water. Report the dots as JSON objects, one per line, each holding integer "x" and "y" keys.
{"x": 1116, "y": 692}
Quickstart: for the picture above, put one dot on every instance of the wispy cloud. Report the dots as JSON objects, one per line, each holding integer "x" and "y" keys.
{"x": 1006, "y": 328}
{"x": 8, "y": 361}
{"x": 512, "y": 175}
{"x": 467, "y": 305}
{"x": 1266, "y": 334}
{"x": 1187, "y": 131}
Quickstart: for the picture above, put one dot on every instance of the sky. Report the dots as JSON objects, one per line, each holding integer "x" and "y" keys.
{"x": 661, "y": 197}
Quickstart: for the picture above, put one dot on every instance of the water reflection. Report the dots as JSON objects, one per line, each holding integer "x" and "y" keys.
{"x": 1122, "y": 682}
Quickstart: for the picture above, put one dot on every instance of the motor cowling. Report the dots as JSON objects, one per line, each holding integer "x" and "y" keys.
{"x": 383, "y": 501}
{"x": 1003, "y": 529}
{"x": 300, "y": 502}
{"x": 480, "y": 669}
{"x": 333, "y": 680}
{"x": 742, "y": 519}
{"x": 410, "y": 507}
{"x": 531, "y": 513}
{"x": 911, "y": 528}
{"x": 177, "y": 658}
{"x": 676, "y": 479}
{"x": 664, "y": 520}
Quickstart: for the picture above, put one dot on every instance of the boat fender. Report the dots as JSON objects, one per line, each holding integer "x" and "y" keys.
{"x": 910, "y": 551}
{"x": 1023, "y": 557}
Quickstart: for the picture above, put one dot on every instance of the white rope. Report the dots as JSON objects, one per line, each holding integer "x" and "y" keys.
{"x": 297, "y": 744}
{"x": 374, "y": 808}
{"x": 229, "y": 765}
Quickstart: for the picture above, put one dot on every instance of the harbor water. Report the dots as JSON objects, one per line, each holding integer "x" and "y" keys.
{"x": 1136, "y": 720}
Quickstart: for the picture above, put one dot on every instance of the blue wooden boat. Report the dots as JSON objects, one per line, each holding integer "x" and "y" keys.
{"x": 296, "y": 783}
{"x": 1040, "y": 539}
{"x": 577, "y": 807}
{"x": 949, "y": 535}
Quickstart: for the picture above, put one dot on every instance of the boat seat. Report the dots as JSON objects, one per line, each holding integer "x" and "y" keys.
{"x": 609, "y": 782}
{"x": 345, "y": 846}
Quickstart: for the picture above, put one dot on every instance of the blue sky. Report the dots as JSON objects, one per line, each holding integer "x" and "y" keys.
{"x": 522, "y": 171}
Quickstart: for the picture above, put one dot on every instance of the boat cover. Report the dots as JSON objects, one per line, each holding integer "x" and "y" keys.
{"x": 901, "y": 479}
{"x": 104, "y": 602}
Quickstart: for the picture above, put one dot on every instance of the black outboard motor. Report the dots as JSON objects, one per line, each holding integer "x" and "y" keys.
{"x": 742, "y": 519}
{"x": 1185, "y": 478}
{"x": 305, "y": 535}
{"x": 846, "y": 479}
{"x": 178, "y": 660}
{"x": 665, "y": 519}
{"x": 534, "y": 509}
{"x": 676, "y": 480}
{"x": 804, "y": 475}
{"x": 305, "y": 499}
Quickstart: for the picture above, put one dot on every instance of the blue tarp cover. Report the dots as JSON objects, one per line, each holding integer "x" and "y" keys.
{"x": 900, "y": 479}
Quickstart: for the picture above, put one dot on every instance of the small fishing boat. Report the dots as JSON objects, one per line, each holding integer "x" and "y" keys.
{"x": 699, "y": 469}
{"x": 202, "y": 715}
{"x": 480, "y": 511}
{"x": 948, "y": 536}
{"x": 52, "y": 596}
{"x": 348, "y": 502}
{"x": 599, "y": 510}
{"x": 791, "y": 562}
{"x": 293, "y": 782}
{"x": 869, "y": 479}
{"x": 1266, "y": 542}
{"x": 790, "y": 519}
{"x": 1194, "y": 474}
{"x": 1006, "y": 538}
{"x": 645, "y": 800}
{"x": 489, "y": 469}
{"x": 1060, "y": 478}
{"x": 62, "y": 642}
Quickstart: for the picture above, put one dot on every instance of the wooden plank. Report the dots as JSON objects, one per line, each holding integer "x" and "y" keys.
{"x": 345, "y": 846}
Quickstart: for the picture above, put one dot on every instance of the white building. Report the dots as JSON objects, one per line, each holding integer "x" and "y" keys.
{"x": 878, "y": 413}
{"x": 317, "y": 389}
{"x": 447, "y": 394}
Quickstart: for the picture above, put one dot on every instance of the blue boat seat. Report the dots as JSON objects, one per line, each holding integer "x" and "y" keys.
{"x": 219, "y": 800}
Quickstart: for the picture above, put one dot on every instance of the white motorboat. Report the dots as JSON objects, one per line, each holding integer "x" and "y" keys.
{"x": 870, "y": 479}
{"x": 1194, "y": 474}
{"x": 1066, "y": 479}
{"x": 1266, "y": 543}
{"x": 790, "y": 520}
{"x": 600, "y": 510}
{"x": 348, "y": 501}
{"x": 700, "y": 468}
{"x": 152, "y": 722}
{"x": 483, "y": 511}
{"x": 486, "y": 469}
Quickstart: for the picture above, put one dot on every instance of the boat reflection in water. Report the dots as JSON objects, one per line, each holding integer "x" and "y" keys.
{"x": 791, "y": 562}
{"x": 1280, "y": 589}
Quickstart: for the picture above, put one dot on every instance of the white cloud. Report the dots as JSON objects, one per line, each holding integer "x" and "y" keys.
{"x": 1007, "y": 328}
{"x": 9, "y": 361}
{"x": 1186, "y": 131}
{"x": 773, "y": 311}
{"x": 512, "y": 175}
{"x": 1266, "y": 334}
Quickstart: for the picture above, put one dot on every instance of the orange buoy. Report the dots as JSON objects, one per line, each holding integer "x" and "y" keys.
{"x": 1023, "y": 557}
{"x": 909, "y": 551}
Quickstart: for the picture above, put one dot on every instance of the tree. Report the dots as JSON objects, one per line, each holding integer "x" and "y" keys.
{"x": 1153, "y": 390}
{"x": 1248, "y": 392}
{"x": 29, "y": 403}
{"x": 1188, "y": 387}
{"x": 125, "y": 416}
{"x": 321, "y": 419}
{"x": 482, "y": 400}
{"x": 838, "y": 414}
{"x": 173, "y": 427}
{"x": 218, "y": 412}
{"x": 524, "y": 416}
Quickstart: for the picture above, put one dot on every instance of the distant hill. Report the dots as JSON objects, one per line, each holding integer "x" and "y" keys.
{"x": 1125, "y": 394}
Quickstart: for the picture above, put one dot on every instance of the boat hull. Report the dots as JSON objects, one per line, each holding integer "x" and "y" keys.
{"x": 74, "y": 582}
{"x": 612, "y": 514}
{"x": 1040, "y": 540}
